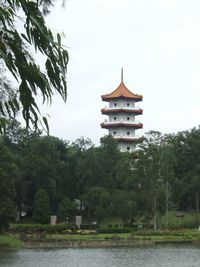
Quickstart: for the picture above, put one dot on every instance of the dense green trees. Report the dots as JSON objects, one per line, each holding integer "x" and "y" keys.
{"x": 186, "y": 188}
{"x": 9, "y": 175}
{"x": 43, "y": 173}
{"x": 155, "y": 170}
{"x": 96, "y": 202}
{"x": 42, "y": 211}
{"x": 66, "y": 210}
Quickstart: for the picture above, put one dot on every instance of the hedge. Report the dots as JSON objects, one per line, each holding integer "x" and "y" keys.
{"x": 108, "y": 230}
{"x": 165, "y": 233}
{"x": 46, "y": 228}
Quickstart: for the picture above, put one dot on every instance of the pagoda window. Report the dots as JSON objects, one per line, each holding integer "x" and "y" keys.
{"x": 128, "y": 118}
{"x": 128, "y": 133}
{"x": 128, "y": 148}
{"x": 114, "y": 133}
{"x": 115, "y": 104}
{"x": 128, "y": 104}
{"x": 115, "y": 118}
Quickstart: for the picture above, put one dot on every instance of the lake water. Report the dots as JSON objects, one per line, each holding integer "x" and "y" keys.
{"x": 160, "y": 256}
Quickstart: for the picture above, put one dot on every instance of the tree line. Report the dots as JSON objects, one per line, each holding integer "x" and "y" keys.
{"x": 44, "y": 175}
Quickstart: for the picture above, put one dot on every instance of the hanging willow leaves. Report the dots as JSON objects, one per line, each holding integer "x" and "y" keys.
{"x": 16, "y": 58}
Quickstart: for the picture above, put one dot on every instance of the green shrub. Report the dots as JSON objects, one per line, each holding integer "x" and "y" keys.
{"x": 112, "y": 230}
{"x": 115, "y": 237}
{"x": 46, "y": 228}
{"x": 167, "y": 233}
{"x": 88, "y": 226}
{"x": 68, "y": 231}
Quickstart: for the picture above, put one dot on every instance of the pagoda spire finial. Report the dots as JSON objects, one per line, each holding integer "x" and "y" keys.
{"x": 122, "y": 75}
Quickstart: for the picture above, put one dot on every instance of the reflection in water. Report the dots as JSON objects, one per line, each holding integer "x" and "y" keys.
{"x": 159, "y": 256}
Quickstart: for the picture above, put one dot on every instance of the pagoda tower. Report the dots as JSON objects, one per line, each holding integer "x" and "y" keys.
{"x": 122, "y": 112}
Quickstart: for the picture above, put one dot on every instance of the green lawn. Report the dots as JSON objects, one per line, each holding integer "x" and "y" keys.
{"x": 188, "y": 219}
{"x": 8, "y": 241}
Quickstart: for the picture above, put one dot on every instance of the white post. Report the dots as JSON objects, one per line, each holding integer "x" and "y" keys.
{"x": 53, "y": 219}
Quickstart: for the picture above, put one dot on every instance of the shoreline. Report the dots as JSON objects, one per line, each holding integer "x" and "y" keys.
{"x": 105, "y": 244}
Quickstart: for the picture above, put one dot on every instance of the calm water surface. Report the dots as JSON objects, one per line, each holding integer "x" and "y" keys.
{"x": 160, "y": 256}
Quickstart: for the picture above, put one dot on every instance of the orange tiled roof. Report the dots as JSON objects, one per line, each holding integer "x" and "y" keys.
{"x": 122, "y": 92}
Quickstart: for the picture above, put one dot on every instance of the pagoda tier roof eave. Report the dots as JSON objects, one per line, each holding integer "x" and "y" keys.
{"x": 121, "y": 124}
{"x": 107, "y": 98}
{"x": 121, "y": 110}
{"x": 122, "y": 92}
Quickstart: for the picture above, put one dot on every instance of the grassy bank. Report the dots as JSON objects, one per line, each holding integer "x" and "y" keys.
{"x": 165, "y": 235}
{"x": 10, "y": 242}
{"x": 112, "y": 240}
{"x": 134, "y": 235}
{"x": 40, "y": 238}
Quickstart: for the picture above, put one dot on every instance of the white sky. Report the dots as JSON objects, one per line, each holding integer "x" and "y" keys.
{"x": 158, "y": 44}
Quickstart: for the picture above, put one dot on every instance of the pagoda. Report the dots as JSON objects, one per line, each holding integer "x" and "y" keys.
{"x": 122, "y": 112}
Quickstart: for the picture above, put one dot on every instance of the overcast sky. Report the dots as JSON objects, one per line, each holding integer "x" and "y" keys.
{"x": 157, "y": 42}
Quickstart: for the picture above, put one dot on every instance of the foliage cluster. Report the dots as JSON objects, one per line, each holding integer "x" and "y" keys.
{"x": 24, "y": 33}
{"x": 59, "y": 228}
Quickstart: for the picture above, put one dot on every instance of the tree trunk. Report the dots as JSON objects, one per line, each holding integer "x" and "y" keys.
{"x": 19, "y": 214}
{"x": 167, "y": 205}
{"x": 155, "y": 216}
{"x": 197, "y": 205}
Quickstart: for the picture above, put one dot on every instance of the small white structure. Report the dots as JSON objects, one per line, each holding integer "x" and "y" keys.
{"x": 122, "y": 112}
{"x": 78, "y": 221}
{"x": 53, "y": 219}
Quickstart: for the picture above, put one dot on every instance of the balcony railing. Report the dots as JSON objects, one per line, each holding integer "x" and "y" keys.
{"x": 121, "y": 121}
{"x": 121, "y": 109}
{"x": 127, "y": 138}
{"x": 108, "y": 124}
